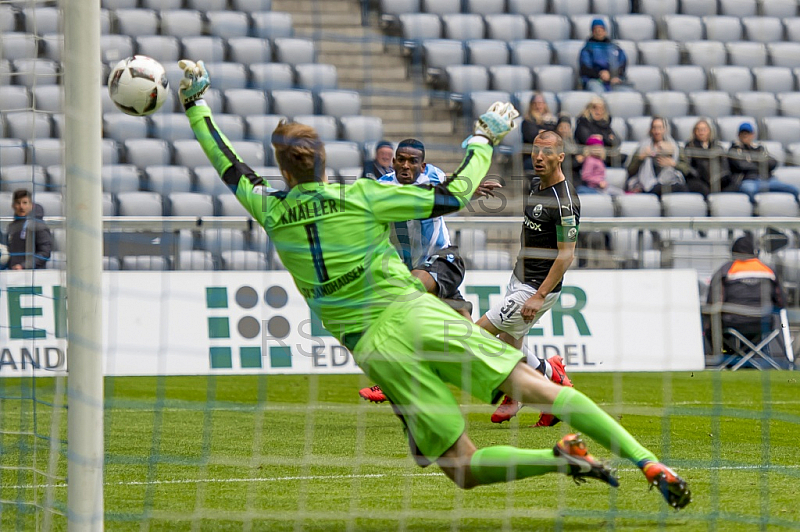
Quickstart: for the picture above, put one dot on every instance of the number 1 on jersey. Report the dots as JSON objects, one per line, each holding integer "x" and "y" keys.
{"x": 316, "y": 252}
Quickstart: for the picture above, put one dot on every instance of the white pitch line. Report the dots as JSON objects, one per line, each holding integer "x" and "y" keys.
{"x": 340, "y": 477}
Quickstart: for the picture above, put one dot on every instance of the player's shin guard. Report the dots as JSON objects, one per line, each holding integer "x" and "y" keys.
{"x": 503, "y": 463}
{"x": 584, "y": 415}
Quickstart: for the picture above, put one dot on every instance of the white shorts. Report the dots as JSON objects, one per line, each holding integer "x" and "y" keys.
{"x": 506, "y": 314}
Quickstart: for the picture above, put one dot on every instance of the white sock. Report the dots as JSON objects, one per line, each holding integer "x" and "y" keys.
{"x": 536, "y": 363}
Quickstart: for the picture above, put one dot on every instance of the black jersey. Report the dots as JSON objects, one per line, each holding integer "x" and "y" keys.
{"x": 552, "y": 215}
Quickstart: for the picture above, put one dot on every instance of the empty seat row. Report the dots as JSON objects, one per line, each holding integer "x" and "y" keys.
{"x": 689, "y": 204}
{"x": 195, "y": 259}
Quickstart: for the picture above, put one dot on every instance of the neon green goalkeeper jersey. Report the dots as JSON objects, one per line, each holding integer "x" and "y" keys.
{"x": 334, "y": 239}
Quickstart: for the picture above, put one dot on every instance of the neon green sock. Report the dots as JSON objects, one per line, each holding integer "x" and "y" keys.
{"x": 504, "y": 463}
{"x": 583, "y": 414}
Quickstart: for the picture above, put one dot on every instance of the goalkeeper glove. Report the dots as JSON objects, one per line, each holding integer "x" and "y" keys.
{"x": 496, "y": 122}
{"x": 195, "y": 81}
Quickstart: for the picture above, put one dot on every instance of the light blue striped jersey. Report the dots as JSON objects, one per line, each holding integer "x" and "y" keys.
{"x": 416, "y": 240}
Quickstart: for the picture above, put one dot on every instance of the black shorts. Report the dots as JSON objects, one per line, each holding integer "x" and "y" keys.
{"x": 447, "y": 268}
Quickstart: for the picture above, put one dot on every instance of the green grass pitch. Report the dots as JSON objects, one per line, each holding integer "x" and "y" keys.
{"x": 305, "y": 453}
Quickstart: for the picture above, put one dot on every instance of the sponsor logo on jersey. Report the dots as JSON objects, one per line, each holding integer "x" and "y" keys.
{"x": 537, "y": 211}
{"x": 530, "y": 224}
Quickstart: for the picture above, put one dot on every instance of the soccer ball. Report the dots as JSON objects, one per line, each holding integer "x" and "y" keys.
{"x": 138, "y": 85}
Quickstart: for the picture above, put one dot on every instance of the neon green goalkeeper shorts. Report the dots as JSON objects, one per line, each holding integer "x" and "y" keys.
{"x": 414, "y": 350}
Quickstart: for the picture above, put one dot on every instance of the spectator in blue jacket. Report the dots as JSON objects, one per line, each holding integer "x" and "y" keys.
{"x": 603, "y": 63}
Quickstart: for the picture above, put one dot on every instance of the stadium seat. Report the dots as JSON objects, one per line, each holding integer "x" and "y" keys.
{"x": 660, "y": 53}
{"x": 776, "y": 149}
{"x": 531, "y": 53}
{"x": 484, "y": 7}
{"x": 523, "y": 99}
{"x": 114, "y": 47}
{"x": 779, "y": 8}
{"x": 631, "y": 51}
{"x": 41, "y": 20}
{"x": 110, "y": 263}
{"x": 644, "y": 78}
{"x": 251, "y": 6}
{"x": 463, "y": 26}
{"x": 118, "y": 178}
{"x": 168, "y": 126}
{"x": 728, "y": 127}
{"x": 8, "y": 22}
{"x": 479, "y": 101}
{"x": 554, "y": 78}
{"x": 242, "y": 259}
{"x": 137, "y": 21}
{"x": 244, "y": 102}
{"x": 684, "y": 28}
{"x": 250, "y": 51}
{"x": 291, "y": 103}
{"x": 507, "y": 27}
{"x": 707, "y": 54}
{"x": 785, "y": 129}
{"x": 527, "y": 7}
{"x": 668, "y": 104}
{"x": 260, "y": 127}
{"x": 45, "y": 152}
{"x": 789, "y": 103}
{"x": 390, "y": 11}
{"x": 140, "y": 204}
{"x": 684, "y": 204}
{"x": 190, "y": 204}
{"x": 194, "y": 259}
{"x": 683, "y": 127}
{"x": 17, "y": 45}
{"x": 227, "y": 24}
{"x": 550, "y": 27}
{"x": 251, "y": 152}
{"x": 611, "y": 7}
{"x": 294, "y": 51}
{"x": 209, "y": 182}
{"x": 27, "y": 125}
{"x": 324, "y": 125}
{"x": 711, "y": 103}
{"x": 570, "y": 7}
{"x": 47, "y": 98}
{"x": 773, "y": 79}
{"x": 511, "y": 78}
{"x": 489, "y": 259}
{"x": 763, "y": 29}
{"x": 14, "y": 98}
{"x": 110, "y": 151}
{"x": 639, "y": 205}
{"x": 567, "y": 52}
{"x": 12, "y": 152}
{"x": 487, "y": 52}
{"x": 218, "y": 241}
{"x": 723, "y": 28}
{"x": 635, "y": 27}
{"x": 729, "y": 204}
{"x": 164, "y": 48}
{"x": 748, "y": 54}
{"x": 229, "y": 205}
{"x": 272, "y": 24}
{"x": 685, "y": 78}
{"x": 31, "y": 72}
{"x": 624, "y": 104}
{"x": 597, "y": 206}
{"x": 232, "y": 125}
{"x": 188, "y": 152}
{"x": 464, "y": 79}
{"x": 145, "y": 262}
{"x": 339, "y": 103}
{"x": 440, "y": 53}
{"x": 757, "y": 104}
{"x": 343, "y": 154}
{"x": 316, "y": 76}
{"x": 441, "y": 7}
{"x": 181, "y": 22}
{"x": 582, "y": 25}
{"x": 121, "y": 127}
{"x": 29, "y": 176}
{"x": 348, "y": 176}
{"x": 362, "y": 128}
{"x": 738, "y": 8}
{"x": 785, "y": 54}
{"x": 167, "y": 179}
{"x": 731, "y": 79}
{"x": 788, "y": 174}
{"x": 211, "y": 49}
{"x": 639, "y": 128}
{"x": 52, "y": 46}
{"x": 572, "y": 102}
{"x": 776, "y": 204}
{"x": 418, "y": 27}
{"x": 227, "y": 75}
{"x": 658, "y": 8}
{"x": 272, "y": 76}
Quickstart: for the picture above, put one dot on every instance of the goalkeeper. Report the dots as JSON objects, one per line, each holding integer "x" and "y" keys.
{"x": 334, "y": 240}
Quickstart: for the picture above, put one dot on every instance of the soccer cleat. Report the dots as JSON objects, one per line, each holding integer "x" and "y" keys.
{"x": 583, "y": 465}
{"x": 560, "y": 377}
{"x": 373, "y": 393}
{"x": 507, "y": 409}
{"x": 672, "y": 487}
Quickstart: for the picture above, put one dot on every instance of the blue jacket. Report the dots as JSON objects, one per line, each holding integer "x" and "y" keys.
{"x": 602, "y": 55}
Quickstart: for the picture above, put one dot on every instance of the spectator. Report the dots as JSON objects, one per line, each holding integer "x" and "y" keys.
{"x": 595, "y": 120}
{"x": 750, "y": 293}
{"x": 593, "y": 172}
{"x": 602, "y": 63}
{"x": 382, "y": 164}
{"x": 539, "y": 118}
{"x": 573, "y": 154}
{"x": 706, "y": 157}
{"x": 751, "y": 165}
{"x": 27, "y": 222}
{"x": 659, "y": 165}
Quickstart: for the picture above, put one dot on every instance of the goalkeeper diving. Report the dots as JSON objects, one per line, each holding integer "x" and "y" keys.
{"x": 334, "y": 240}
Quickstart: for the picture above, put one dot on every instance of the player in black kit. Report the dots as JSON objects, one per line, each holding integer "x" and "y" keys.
{"x": 549, "y": 234}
